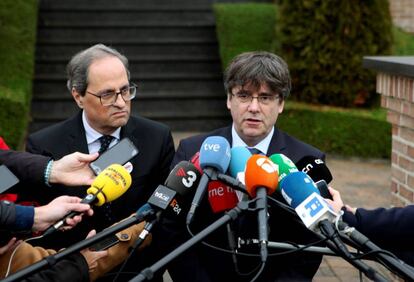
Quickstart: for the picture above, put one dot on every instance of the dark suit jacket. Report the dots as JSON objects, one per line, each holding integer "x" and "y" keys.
{"x": 150, "y": 168}
{"x": 206, "y": 264}
{"x": 390, "y": 228}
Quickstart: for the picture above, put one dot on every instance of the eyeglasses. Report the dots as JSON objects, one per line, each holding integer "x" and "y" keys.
{"x": 262, "y": 99}
{"x": 108, "y": 98}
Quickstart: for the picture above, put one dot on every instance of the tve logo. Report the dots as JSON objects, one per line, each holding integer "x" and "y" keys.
{"x": 212, "y": 147}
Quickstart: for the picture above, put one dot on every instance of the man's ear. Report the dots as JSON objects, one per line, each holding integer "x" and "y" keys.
{"x": 281, "y": 106}
{"x": 228, "y": 102}
{"x": 78, "y": 98}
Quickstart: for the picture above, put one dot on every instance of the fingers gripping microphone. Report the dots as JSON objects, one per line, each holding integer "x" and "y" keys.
{"x": 109, "y": 185}
{"x": 318, "y": 171}
{"x": 261, "y": 179}
{"x": 214, "y": 158}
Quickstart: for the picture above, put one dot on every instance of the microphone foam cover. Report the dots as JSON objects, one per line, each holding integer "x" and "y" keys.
{"x": 215, "y": 152}
{"x": 260, "y": 172}
{"x": 183, "y": 178}
{"x": 221, "y": 196}
{"x": 315, "y": 168}
{"x": 195, "y": 160}
{"x": 110, "y": 184}
{"x": 296, "y": 187}
{"x": 284, "y": 164}
{"x": 239, "y": 157}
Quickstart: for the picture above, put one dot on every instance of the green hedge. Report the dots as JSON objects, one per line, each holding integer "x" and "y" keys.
{"x": 18, "y": 33}
{"x": 403, "y": 42}
{"x": 244, "y": 27}
{"x": 360, "y": 133}
{"x": 324, "y": 43}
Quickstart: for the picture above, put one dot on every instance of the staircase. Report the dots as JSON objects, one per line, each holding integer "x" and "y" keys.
{"x": 171, "y": 47}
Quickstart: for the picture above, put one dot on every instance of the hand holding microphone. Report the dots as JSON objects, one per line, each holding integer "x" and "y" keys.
{"x": 109, "y": 185}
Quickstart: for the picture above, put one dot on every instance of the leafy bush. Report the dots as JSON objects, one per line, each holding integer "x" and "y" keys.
{"x": 324, "y": 43}
{"x": 338, "y": 130}
{"x": 244, "y": 27}
{"x": 17, "y": 32}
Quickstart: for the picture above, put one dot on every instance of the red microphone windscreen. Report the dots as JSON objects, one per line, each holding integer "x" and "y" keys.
{"x": 195, "y": 160}
{"x": 221, "y": 197}
{"x": 260, "y": 172}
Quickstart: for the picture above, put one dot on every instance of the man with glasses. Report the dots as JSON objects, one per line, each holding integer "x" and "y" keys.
{"x": 99, "y": 81}
{"x": 257, "y": 84}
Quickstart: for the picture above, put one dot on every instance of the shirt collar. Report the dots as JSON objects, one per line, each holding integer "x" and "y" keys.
{"x": 263, "y": 145}
{"x": 92, "y": 135}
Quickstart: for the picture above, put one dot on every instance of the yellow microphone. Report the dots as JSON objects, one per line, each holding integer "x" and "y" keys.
{"x": 109, "y": 185}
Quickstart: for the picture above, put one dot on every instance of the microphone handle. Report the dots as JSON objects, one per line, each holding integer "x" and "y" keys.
{"x": 89, "y": 199}
{"x": 199, "y": 194}
{"x": 261, "y": 206}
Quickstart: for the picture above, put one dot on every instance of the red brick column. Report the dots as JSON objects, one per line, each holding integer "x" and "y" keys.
{"x": 398, "y": 98}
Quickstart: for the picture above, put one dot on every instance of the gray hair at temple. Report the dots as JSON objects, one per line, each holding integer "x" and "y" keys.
{"x": 77, "y": 69}
{"x": 256, "y": 68}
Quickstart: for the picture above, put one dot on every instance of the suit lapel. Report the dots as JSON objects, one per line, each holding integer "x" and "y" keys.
{"x": 277, "y": 144}
{"x": 77, "y": 138}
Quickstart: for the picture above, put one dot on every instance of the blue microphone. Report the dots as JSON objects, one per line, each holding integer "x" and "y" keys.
{"x": 301, "y": 193}
{"x": 214, "y": 158}
{"x": 238, "y": 161}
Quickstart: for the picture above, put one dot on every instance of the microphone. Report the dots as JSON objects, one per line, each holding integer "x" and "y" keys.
{"x": 171, "y": 197}
{"x": 195, "y": 160}
{"x": 261, "y": 179}
{"x": 239, "y": 157}
{"x": 214, "y": 158}
{"x": 301, "y": 193}
{"x": 318, "y": 171}
{"x": 221, "y": 196}
{"x": 284, "y": 164}
{"x": 109, "y": 185}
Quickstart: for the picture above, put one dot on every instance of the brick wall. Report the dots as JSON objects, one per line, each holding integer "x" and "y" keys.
{"x": 398, "y": 98}
{"x": 402, "y": 13}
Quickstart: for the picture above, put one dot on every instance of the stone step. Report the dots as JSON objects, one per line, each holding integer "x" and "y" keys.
{"x": 81, "y": 5}
{"x": 139, "y": 51}
{"x": 125, "y": 34}
{"x": 126, "y": 18}
{"x": 142, "y": 68}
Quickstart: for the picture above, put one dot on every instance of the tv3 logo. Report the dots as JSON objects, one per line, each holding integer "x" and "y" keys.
{"x": 314, "y": 206}
{"x": 189, "y": 180}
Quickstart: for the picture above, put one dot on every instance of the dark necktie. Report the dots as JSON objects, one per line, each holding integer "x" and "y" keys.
{"x": 254, "y": 151}
{"x": 105, "y": 141}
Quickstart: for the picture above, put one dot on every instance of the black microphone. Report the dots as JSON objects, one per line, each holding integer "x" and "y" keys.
{"x": 318, "y": 171}
{"x": 171, "y": 198}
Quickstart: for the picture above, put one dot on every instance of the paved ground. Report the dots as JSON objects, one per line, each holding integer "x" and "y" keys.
{"x": 362, "y": 183}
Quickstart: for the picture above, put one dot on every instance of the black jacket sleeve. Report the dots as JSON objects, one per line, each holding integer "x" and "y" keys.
{"x": 73, "y": 268}
{"x": 27, "y": 167}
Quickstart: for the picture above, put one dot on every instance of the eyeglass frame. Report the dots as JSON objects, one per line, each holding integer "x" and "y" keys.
{"x": 133, "y": 86}
{"x": 251, "y": 97}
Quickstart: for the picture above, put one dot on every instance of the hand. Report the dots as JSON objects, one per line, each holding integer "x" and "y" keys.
{"x": 13, "y": 243}
{"x": 336, "y": 202}
{"x": 73, "y": 170}
{"x": 93, "y": 257}
{"x": 47, "y": 215}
